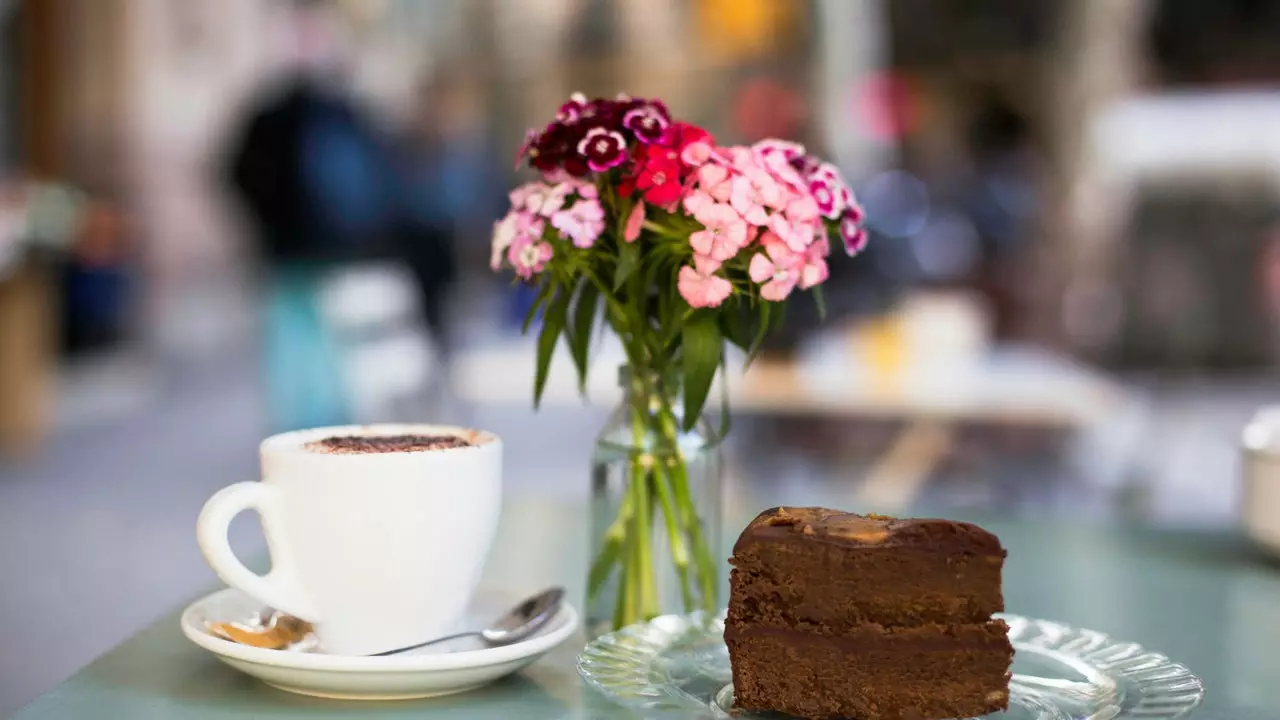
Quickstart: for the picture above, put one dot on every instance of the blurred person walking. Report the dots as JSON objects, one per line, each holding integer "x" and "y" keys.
{"x": 320, "y": 191}
{"x": 453, "y": 194}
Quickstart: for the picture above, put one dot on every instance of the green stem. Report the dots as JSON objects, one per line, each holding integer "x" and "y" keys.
{"x": 614, "y": 544}
{"x": 624, "y": 582}
{"x": 679, "y": 473}
{"x": 641, "y": 462}
{"x": 679, "y": 552}
{"x": 647, "y": 602}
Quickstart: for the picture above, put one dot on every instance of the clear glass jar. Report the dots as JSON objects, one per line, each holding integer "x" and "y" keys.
{"x": 655, "y": 509}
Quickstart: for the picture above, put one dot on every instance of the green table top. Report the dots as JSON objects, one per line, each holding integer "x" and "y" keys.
{"x": 1206, "y": 599}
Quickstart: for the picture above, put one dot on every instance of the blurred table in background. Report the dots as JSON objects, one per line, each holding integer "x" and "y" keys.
{"x": 1013, "y": 385}
{"x": 927, "y": 373}
{"x": 929, "y": 360}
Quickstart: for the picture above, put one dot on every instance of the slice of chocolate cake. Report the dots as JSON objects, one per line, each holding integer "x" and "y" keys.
{"x": 835, "y": 615}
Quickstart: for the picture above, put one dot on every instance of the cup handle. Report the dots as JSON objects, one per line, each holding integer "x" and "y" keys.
{"x": 278, "y": 588}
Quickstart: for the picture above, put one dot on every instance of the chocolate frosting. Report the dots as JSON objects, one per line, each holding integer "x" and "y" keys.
{"x": 868, "y": 531}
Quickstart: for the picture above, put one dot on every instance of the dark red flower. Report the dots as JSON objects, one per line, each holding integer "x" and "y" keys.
{"x": 626, "y": 186}
{"x": 685, "y": 135}
{"x": 571, "y": 111}
{"x": 648, "y": 126}
{"x": 660, "y": 108}
{"x": 603, "y": 149}
{"x": 576, "y": 167}
{"x": 604, "y": 113}
{"x": 660, "y": 177}
{"x": 530, "y": 139}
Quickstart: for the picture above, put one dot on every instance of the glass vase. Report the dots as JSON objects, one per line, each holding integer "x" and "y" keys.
{"x": 655, "y": 509}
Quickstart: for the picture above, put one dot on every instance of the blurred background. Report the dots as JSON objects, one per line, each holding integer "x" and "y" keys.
{"x": 1071, "y": 303}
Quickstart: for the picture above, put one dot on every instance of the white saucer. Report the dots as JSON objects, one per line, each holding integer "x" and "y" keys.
{"x": 423, "y": 673}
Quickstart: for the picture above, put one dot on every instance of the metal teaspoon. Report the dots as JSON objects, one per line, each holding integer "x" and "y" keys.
{"x": 517, "y": 624}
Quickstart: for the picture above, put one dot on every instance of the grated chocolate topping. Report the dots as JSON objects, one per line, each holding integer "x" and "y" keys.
{"x": 368, "y": 444}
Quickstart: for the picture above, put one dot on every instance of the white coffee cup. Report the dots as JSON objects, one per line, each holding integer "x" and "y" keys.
{"x": 1260, "y": 462}
{"x": 379, "y": 550}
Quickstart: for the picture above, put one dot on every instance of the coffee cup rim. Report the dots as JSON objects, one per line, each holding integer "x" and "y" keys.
{"x": 296, "y": 440}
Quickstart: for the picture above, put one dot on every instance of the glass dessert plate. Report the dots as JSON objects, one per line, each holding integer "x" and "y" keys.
{"x": 679, "y": 663}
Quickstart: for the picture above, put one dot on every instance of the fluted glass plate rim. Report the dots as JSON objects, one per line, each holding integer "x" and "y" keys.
{"x": 1113, "y": 679}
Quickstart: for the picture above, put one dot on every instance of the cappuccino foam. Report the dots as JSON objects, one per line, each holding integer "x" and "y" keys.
{"x": 374, "y": 444}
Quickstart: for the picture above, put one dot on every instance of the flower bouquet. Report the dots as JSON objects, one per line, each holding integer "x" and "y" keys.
{"x": 679, "y": 245}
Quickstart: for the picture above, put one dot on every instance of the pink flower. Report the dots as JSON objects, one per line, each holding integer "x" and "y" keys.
{"x": 648, "y": 125}
{"x": 780, "y": 168}
{"x": 705, "y": 264}
{"x": 725, "y": 233}
{"x": 581, "y": 223}
{"x": 850, "y": 204}
{"x": 828, "y": 199}
{"x": 695, "y": 154}
{"x": 805, "y": 220}
{"x": 786, "y": 149}
{"x": 695, "y": 200}
{"x": 603, "y": 148}
{"x": 716, "y": 182}
{"x": 797, "y": 236}
{"x": 763, "y": 187}
{"x": 635, "y": 221}
{"x": 814, "y": 271}
{"x": 748, "y": 198}
{"x": 854, "y": 237}
{"x": 546, "y": 201}
{"x": 802, "y": 209}
{"x": 694, "y": 144}
{"x": 830, "y": 174}
{"x": 529, "y": 256}
{"x": 777, "y": 268}
{"x": 736, "y": 157}
{"x": 586, "y": 190}
{"x": 519, "y": 195}
{"x": 505, "y": 232}
{"x": 702, "y": 291}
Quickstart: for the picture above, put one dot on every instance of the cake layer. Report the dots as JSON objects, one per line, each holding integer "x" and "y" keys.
{"x": 801, "y": 568}
{"x": 922, "y": 673}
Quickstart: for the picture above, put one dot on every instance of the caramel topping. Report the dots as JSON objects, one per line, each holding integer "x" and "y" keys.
{"x": 874, "y": 530}
{"x": 280, "y": 632}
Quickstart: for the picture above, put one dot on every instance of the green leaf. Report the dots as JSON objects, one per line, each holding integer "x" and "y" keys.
{"x": 702, "y": 348}
{"x": 762, "y": 329}
{"x": 602, "y": 566}
{"x": 724, "y": 399}
{"x": 735, "y": 323}
{"x": 584, "y": 316}
{"x": 779, "y": 316}
{"x": 543, "y": 293}
{"x": 552, "y": 324}
{"x": 820, "y": 301}
{"x": 628, "y": 260}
